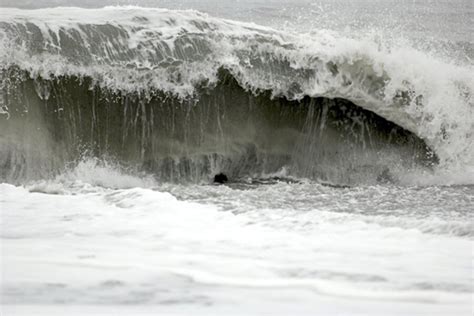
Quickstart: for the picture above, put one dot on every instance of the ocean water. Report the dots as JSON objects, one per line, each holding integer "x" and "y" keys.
{"x": 345, "y": 130}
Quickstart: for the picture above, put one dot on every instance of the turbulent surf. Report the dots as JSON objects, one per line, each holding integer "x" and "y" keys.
{"x": 184, "y": 95}
{"x": 185, "y": 162}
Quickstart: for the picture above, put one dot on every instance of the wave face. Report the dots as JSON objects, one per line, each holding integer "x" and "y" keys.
{"x": 183, "y": 95}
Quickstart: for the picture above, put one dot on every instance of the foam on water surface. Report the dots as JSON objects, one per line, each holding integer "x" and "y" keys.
{"x": 215, "y": 246}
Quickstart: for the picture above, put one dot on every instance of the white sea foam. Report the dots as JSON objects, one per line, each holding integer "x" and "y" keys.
{"x": 90, "y": 173}
{"x": 222, "y": 248}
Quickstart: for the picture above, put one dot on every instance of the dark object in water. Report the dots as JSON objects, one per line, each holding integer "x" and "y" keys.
{"x": 336, "y": 186}
{"x": 220, "y": 178}
{"x": 385, "y": 176}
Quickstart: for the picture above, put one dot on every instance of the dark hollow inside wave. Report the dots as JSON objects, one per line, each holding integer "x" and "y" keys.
{"x": 51, "y": 124}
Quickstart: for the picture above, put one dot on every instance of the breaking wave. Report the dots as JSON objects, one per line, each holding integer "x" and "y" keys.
{"x": 182, "y": 95}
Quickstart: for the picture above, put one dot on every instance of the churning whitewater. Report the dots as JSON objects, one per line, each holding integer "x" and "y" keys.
{"x": 348, "y": 165}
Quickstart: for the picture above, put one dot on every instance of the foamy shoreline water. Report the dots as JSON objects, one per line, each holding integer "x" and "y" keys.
{"x": 139, "y": 246}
